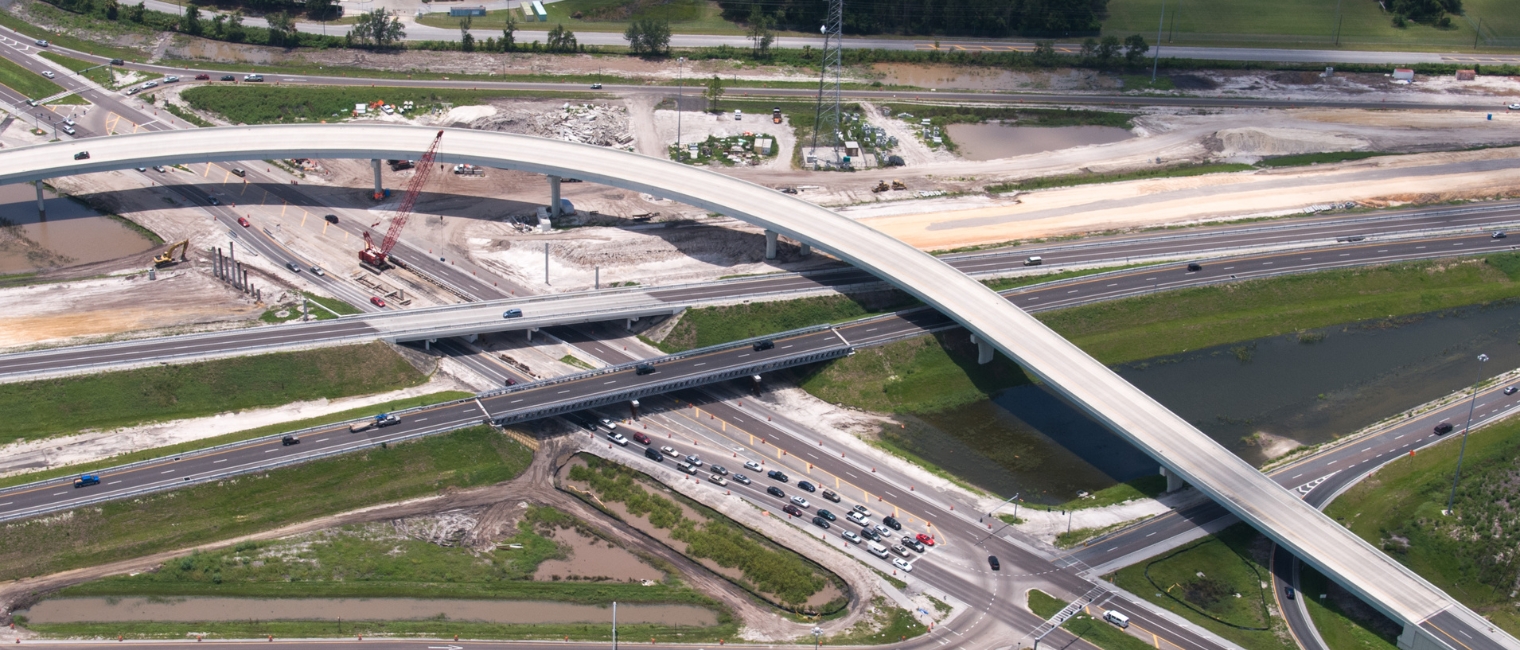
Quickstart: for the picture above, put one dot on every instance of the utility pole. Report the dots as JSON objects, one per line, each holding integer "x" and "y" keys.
{"x": 1450, "y": 501}
{"x": 614, "y": 625}
{"x": 546, "y": 262}
{"x": 680, "y": 91}
{"x": 1477, "y": 33}
{"x": 1338, "y": 19}
{"x": 1156, "y": 62}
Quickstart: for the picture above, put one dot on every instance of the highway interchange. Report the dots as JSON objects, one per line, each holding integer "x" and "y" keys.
{"x": 1109, "y": 286}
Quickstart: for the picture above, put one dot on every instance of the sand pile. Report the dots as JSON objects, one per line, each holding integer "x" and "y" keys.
{"x": 1257, "y": 141}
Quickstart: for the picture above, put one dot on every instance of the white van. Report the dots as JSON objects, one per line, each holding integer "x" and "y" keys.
{"x": 738, "y": 115}
{"x": 877, "y": 549}
{"x": 1116, "y": 618}
{"x": 1033, "y": 260}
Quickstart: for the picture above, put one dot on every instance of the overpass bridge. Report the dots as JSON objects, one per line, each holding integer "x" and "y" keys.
{"x": 1431, "y": 618}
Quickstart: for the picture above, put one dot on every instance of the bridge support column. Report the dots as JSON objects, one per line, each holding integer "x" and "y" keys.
{"x": 983, "y": 350}
{"x": 531, "y": 330}
{"x": 379, "y": 191}
{"x": 807, "y": 249}
{"x": 633, "y": 408}
{"x": 554, "y": 204}
{"x": 427, "y": 344}
{"x": 1173, "y": 481}
{"x": 1417, "y": 638}
{"x": 41, "y": 207}
{"x": 770, "y": 244}
{"x": 629, "y": 325}
{"x": 472, "y": 338}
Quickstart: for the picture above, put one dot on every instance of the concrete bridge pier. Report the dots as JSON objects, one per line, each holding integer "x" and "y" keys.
{"x": 983, "y": 350}
{"x": 472, "y": 338}
{"x": 554, "y": 204}
{"x": 41, "y": 207}
{"x": 531, "y": 330}
{"x": 629, "y": 324}
{"x": 379, "y": 191}
{"x": 427, "y": 344}
{"x": 770, "y": 244}
{"x": 1173, "y": 481}
{"x": 807, "y": 249}
{"x": 1415, "y": 637}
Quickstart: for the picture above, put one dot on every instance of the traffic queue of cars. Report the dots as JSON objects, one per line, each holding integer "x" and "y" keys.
{"x": 876, "y": 538}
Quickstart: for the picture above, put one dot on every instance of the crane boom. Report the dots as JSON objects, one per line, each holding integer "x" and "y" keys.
{"x": 377, "y": 256}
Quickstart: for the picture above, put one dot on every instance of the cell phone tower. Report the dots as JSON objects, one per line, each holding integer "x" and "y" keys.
{"x": 827, "y": 114}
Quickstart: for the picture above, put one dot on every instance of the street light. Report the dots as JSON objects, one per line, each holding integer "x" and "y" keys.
{"x": 817, "y": 631}
{"x": 680, "y": 90}
{"x": 1470, "y": 405}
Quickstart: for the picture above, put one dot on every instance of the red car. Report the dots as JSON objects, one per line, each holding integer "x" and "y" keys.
{"x": 243, "y": 222}
{"x": 641, "y": 438}
{"x": 203, "y": 77}
{"x": 925, "y": 540}
{"x": 376, "y": 301}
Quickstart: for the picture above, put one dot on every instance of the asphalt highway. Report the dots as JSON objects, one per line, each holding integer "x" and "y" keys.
{"x": 1389, "y": 238}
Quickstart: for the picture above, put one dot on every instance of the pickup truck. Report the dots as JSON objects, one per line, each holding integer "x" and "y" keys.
{"x": 86, "y": 480}
{"x": 382, "y": 420}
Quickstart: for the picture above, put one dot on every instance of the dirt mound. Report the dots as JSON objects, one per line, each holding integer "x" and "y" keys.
{"x": 1253, "y": 141}
{"x": 598, "y": 124}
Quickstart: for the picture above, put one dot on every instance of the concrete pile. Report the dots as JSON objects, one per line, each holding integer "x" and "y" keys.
{"x": 444, "y": 529}
{"x": 605, "y": 126}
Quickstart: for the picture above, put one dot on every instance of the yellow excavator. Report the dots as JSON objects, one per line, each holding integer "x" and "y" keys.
{"x": 167, "y": 257}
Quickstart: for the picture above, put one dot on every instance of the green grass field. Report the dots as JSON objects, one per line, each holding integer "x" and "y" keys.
{"x": 252, "y": 503}
{"x": 1199, "y": 582}
{"x": 1403, "y": 497}
{"x": 287, "y": 104}
{"x": 55, "y": 407}
{"x": 158, "y": 452}
{"x": 1140, "y": 488}
{"x": 100, "y": 75}
{"x": 1300, "y": 23}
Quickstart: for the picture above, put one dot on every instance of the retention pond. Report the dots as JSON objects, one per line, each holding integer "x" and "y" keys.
{"x": 994, "y": 140}
{"x": 1258, "y": 398}
{"x": 71, "y": 234}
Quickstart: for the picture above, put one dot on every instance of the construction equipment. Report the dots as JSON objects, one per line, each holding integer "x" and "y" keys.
{"x": 379, "y": 258}
{"x": 167, "y": 257}
{"x": 899, "y": 185}
{"x": 881, "y": 187}
{"x": 776, "y": 115}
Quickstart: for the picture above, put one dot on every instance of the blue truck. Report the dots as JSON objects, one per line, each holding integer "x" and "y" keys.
{"x": 86, "y": 480}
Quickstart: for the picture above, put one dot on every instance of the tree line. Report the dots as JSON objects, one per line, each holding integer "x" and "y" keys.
{"x": 987, "y": 18}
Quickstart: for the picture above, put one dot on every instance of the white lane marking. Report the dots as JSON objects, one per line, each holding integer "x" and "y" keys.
{"x": 272, "y": 450}
{"x": 1112, "y": 285}
{"x": 1072, "y": 291}
{"x": 1150, "y": 535}
{"x": 1365, "y": 450}
{"x": 218, "y": 461}
{"x": 1296, "y": 475}
{"x": 1111, "y": 550}
{"x": 1228, "y": 268}
{"x": 747, "y": 353}
{"x": 1345, "y": 254}
{"x": 1035, "y": 298}
{"x": 785, "y": 347}
{"x": 700, "y": 364}
{"x": 1456, "y": 244}
{"x": 323, "y": 439}
{"x": 515, "y": 401}
{"x": 1383, "y": 250}
{"x": 1305, "y": 259}
{"x": 10, "y": 502}
{"x": 59, "y": 493}
{"x": 170, "y": 471}
{"x": 1397, "y": 437}
{"x": 1266, "y": 264}
{"x": 1149, "y": 279}
{"x": 111, "y": 483}
{"x": 609, "y": 382}
{"x": 563, "y": 392}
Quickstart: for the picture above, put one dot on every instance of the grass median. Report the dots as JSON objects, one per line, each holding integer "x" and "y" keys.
{"x": 252, "y": 503}
{"x": 292, "y": 104}
{"x": 56, "y": 407}
{"x": 247, "y": 434}
{"x": 31, "y": 84}
{"x": 1471, "y": 556}
{"x": 1084, "y": 626}
{"x": 97, "y": 73}
{"x": 1221, "y": 583}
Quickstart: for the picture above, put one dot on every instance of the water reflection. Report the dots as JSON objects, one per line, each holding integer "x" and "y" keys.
{"x": 1307, "y": 387}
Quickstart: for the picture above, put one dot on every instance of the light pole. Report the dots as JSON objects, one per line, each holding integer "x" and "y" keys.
{"x": 680, "y": 90}
{"x": 817, "y": 637}
{"x": 1471, "y": 404}
{"x": 1159, "y": 24}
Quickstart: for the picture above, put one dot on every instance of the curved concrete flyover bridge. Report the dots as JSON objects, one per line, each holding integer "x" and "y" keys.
{"x": 1183, "y": 450}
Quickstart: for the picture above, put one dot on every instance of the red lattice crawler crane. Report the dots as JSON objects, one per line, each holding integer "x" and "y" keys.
{"x": 379, "y": 257}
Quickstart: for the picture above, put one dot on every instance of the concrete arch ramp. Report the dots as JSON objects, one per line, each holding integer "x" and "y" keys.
{"x": 1182, "y": 449}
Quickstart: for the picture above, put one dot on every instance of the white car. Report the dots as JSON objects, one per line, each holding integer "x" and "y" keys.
{"x": 150, "y": 84}
{"x": 47, "y": 73}
{"x": 170, "y": 79}
{"x": 1514, "y": 107}
{"x": 611, "y": 426}
{"x": 857, "y": 518}
{"x": 317, "y": 270}
{"x": 751, "y": 466}
{"x": 617, "y": 438}
{"x": 883, "y": 530}
{"x": 801, "y": 502}
{"x": 906, "y": 566}
{"x": 694, "y": 460}
{"x": 850, "y": 536}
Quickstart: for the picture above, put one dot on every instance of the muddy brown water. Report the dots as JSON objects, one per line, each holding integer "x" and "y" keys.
{"x": 594, "y": 558}
{"x": 71, "y": 234}
{"x": 993, "y": 140}
{"x": 194, "y": 610}
{"x": 1312, "y": 388}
